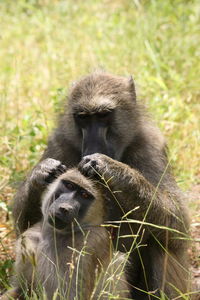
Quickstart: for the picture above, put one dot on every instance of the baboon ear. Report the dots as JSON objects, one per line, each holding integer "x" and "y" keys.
{"x": 131, "y": 86}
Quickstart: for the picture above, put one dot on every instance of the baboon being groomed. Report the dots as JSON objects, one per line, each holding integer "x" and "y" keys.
{"x": 105, "y": 130}
{"x": 68, "y": 254}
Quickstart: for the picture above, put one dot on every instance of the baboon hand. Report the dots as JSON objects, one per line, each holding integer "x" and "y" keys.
{"x": 45, "y": 172}
{"x": 94, "y": 165}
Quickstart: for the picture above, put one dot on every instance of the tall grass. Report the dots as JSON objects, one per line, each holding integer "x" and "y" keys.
{"x": 46, "y": 44}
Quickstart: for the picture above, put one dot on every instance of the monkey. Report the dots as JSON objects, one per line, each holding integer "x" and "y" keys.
{"x": 69, "y": 249}
{"x": 104, "y": 129}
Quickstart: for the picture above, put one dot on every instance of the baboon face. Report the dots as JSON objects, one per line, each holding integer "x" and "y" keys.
{"x": 71, "y": 198}
{"x": 103, "y": 112}
{"x": 70, "y": 202}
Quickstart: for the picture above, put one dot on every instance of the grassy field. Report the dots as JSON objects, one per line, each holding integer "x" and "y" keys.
{"x": 46, "y": 44}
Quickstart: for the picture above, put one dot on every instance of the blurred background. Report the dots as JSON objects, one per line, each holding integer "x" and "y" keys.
{"x": 47, "y": 44}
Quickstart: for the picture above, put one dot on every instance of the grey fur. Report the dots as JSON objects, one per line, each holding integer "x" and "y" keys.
{"x": 71, "y": 262}
{"x": 139, "y": 169}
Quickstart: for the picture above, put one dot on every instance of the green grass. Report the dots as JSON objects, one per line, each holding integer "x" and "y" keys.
{"x": 46, "y": 44}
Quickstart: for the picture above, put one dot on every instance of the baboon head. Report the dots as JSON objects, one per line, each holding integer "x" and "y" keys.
{"x": 102, "y": 114}
{"x": 72, "y": 198}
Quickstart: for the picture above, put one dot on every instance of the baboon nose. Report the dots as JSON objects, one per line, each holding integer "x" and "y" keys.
{"x": 63, "y": 214}
{"x": 66, "y": 214}
{"x": 61, "y": 219}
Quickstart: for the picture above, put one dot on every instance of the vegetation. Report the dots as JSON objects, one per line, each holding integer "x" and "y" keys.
{"x": 46, "y": 44}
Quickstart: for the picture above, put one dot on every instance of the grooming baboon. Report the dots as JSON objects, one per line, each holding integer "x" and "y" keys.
{"x": 102, "y": 116}
{"x": 69, "y": 250}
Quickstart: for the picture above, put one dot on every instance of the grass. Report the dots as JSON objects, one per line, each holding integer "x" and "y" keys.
{"x": 46, "y": 44}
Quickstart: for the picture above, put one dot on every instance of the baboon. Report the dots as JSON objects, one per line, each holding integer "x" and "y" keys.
{"x": 69, "y": 249}
{"x": 105, "y": 130}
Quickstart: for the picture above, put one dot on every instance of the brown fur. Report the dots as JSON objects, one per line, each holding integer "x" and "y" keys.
{"x": 77, "y": 263}
{"x": 140, "y": 170}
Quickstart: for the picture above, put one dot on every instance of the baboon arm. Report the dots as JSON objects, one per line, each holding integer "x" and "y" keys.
{"x": 130, "y": 189}
{"x": 26, "y": 207}
{"x": 58, "y": 155}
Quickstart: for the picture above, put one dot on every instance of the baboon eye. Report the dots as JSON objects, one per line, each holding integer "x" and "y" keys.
{"x": 85, "y": 195}
{"x": 81, "y": 116}
{"x": 69, "y": 186}
{"x": 103, "y": 114}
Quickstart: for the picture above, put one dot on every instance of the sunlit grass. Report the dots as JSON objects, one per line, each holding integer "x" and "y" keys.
{"x": 46, "y": 44}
